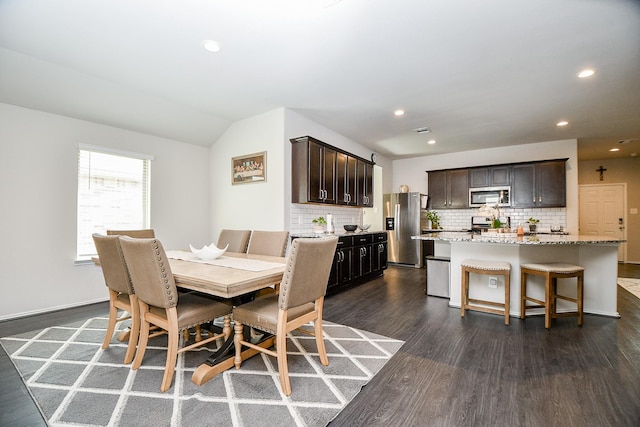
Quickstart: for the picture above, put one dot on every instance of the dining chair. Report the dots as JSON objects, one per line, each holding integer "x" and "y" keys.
{"x": 236, "y": 239}
{"x": 300, "y": 301}
{"x": 161, "y": 305}
{"x": 121, "y": 292}
{"x": 143, "y": 233}
{"x": 272, "y": 243}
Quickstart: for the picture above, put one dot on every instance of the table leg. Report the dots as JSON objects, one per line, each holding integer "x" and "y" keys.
{"x": 222, "y": 359}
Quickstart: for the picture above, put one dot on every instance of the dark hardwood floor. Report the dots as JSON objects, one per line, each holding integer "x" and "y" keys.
{"x": 452, "y": 371}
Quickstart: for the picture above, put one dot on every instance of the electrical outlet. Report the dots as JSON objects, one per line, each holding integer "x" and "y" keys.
{"x": 493, "y": 282}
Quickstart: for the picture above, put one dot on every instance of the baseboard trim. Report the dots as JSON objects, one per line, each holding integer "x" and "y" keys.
{"x": 50, "y": 309}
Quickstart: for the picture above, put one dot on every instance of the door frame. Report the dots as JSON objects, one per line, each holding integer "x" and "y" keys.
{"x": 623, "y": 246}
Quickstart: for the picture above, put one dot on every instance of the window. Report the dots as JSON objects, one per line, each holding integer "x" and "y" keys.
{"x": 113, "y": 193}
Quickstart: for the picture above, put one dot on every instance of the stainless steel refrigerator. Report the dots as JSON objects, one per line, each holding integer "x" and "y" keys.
{"x": 405, "y": 216}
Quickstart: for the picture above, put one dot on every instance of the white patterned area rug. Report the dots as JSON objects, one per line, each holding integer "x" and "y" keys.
{"x": 75, "y": 382}
{"x": 631, "y": 285}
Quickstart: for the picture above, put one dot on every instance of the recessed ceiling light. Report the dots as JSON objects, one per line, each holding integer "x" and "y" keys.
{"x": 398, "y": 113}
{"x": 211, "y": 45}
{"x": 431, "y": 141}
{"x": 586, "y": 73}
{"x": 562, "y": 123}
{"x": 614, "y": 149}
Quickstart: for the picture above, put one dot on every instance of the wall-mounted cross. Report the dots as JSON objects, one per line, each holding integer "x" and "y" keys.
{"x": 601, "y": 170}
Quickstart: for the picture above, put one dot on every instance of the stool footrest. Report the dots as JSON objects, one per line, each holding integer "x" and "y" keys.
{"x": 491, "y": 303}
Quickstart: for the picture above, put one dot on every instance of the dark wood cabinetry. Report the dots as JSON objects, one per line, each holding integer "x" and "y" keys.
{"x": 321, "y": 173}
{"x": 533, "y": 184}
{"x": 449, "y": 189}
{"x": 358, "y": 259}
{"x": 365, "y": 184}
{"x": 539, "y": 185}
{"x": 346, "y": 173}
{"x": 491, "y": 176}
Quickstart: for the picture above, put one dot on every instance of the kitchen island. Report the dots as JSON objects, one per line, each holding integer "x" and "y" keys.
{"x": 597, "y": 254}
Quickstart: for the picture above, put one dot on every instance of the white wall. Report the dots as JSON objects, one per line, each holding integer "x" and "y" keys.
{"x": 412, "y": 171}
{"x": 38, "y": 186}
{"x": 254, "y": 206}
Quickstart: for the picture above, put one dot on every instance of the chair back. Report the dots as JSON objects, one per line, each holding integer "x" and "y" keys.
{"x": 150, "y": 271}
{"x": 272, "y": 243}
{"x": 307, "y": 273}
{"x": 236, "y": 239}
{"x": 140, "y": 234}
{"x": 114, "y": 268}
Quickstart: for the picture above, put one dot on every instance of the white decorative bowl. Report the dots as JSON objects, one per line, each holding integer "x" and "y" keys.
{"x": 364, "y": 227}
{"x": 208, "y": 253}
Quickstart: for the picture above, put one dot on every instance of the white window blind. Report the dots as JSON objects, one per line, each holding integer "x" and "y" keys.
{"x": 113, "y": 193}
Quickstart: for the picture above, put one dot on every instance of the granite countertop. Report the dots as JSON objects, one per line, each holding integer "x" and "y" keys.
{"x": 509, "y": 239}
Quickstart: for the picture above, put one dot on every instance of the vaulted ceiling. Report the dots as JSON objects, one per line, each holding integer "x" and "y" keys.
{"x": 478, "y": 74}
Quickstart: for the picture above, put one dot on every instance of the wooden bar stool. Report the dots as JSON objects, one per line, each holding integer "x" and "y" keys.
{"x": 489, "y": 268}
{"x": 551, "y": 273}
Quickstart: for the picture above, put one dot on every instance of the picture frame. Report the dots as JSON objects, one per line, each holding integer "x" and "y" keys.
{"x": 250, "y": 168}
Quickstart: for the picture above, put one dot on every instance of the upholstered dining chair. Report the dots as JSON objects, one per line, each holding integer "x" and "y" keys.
{"x": 273, "y": 243}
{"x": 141, "y": 234}
{"x": 300, "y": 301}
{"x": 121, "y": 292}
{"x": 236, "y": 239}
{"x": 160, "y": 304}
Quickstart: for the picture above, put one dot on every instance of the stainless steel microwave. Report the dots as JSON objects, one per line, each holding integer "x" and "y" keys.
{"x": 500, "y": 196}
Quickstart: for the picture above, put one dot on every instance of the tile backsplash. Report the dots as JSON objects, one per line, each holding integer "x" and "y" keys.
{"x": 461, "y": 218}
{"x": 302, "y": 215}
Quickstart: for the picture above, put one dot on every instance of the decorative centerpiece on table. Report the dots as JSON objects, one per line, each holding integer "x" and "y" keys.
{"x": 492, "y": 211}
{"x": 533, "y": 224}
{"x": 319, "y": 225}
{"x": 434, "y": 219}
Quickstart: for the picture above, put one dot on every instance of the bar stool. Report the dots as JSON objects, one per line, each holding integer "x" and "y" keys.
{"x": 551, "y": 273}
{"x": 490, "y": 268}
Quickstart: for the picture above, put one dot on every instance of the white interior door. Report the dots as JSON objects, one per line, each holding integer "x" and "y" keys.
{"x": 602, "y": 209}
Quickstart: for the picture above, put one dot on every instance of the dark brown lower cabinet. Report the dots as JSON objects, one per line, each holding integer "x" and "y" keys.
{"x": 358, "y": 259}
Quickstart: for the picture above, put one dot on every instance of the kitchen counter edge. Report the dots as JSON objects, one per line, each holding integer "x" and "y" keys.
{"x": 545, "y": 239}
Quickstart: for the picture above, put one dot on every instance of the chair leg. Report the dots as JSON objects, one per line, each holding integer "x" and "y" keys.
{"x": 113, "y": 317}
{"x": 283, "y": 368}
{"x": 237, "y": 340}
{"x": 172, "y": 348}
{"x": 144, "y": 336}
{"x": 464, "y": 291}
{"x": 580, "y": 298}
{"x": 322, "y": 350}
{"x": 547, "y": 302}
{"x": 134, "y": 332}
{"x": 523, "y": 294}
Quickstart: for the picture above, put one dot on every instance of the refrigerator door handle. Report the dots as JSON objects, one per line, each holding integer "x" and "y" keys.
{"x": 397, "y": 221}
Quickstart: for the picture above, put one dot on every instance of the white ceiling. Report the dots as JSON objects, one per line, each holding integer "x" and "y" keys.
{"x": 478, "y": 73}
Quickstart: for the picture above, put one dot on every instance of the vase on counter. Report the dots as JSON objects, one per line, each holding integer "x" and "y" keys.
{"x": 533, "y": 228}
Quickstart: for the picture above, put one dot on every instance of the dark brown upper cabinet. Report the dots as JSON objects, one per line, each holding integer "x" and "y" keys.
{"x": 539, "y": 184}
{"x": 449, "y": 189}
{"x": 491, "y": 176}
{"x": 321, "y": 173}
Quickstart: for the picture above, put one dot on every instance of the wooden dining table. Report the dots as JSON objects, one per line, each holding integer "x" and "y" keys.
{"x": 235, "y": 277}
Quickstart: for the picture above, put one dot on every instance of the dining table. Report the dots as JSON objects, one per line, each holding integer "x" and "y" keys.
{"x": 235, "y": 277}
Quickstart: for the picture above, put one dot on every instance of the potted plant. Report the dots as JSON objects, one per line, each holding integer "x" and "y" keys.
{"x": 533, "y": 224}
{"x": 434, "y": 218}
{"x": 319, "y": 224}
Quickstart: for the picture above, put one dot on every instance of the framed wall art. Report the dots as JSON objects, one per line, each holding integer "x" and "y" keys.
{"x": 249, "y": 168}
